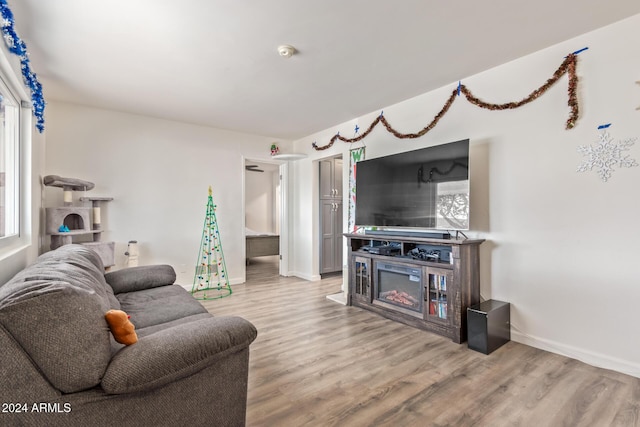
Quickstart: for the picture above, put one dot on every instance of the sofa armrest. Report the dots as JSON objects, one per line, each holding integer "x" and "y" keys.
{"x": 175, "y": 353}
{"x": 133, "y": 279}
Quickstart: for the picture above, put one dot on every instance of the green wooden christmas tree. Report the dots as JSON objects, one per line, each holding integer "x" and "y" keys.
{"x": 211, "y": 280}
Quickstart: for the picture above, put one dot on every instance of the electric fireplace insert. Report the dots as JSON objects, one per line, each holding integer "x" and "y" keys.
{"x": 399, "y": 287}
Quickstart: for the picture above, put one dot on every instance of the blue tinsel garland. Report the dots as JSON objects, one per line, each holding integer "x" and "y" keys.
{"x": 18, "y": 47}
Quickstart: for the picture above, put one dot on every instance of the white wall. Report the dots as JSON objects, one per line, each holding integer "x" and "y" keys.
{"x": 158, "y": 173}
{"x": 561, "y": 246}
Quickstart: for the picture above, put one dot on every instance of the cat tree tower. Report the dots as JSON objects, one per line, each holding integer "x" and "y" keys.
{"x": 67, "y": 221}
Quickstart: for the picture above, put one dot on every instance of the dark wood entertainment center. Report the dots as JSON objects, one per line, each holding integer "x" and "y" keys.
{"x": 420, "y": 281}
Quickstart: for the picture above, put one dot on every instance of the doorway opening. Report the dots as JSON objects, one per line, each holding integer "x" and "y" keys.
{"x": 263, "y": 218}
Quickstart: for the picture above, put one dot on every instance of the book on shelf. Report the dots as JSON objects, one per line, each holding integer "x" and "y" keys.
{"x": 442, "y": 309}
{"x": 437, "y": 282}
{"x": 438, "y": 307}
{"x": 442, "y": 283}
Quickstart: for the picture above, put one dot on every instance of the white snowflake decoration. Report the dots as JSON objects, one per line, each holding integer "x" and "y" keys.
{"x": 605, "y": 155}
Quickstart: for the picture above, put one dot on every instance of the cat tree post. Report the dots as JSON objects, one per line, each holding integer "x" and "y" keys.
{"x": 96, "y": 204}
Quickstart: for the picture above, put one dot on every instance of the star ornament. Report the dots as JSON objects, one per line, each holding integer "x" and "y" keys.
{"x": 605, "y": 155}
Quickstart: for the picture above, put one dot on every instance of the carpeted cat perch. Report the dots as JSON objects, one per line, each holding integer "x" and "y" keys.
{"x": 210, "y": 280}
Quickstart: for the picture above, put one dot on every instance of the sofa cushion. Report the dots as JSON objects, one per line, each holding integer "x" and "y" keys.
{"x": 159, "y": 305}
{"x": 143, "y": 332}
{"x": 55, "y": 309}
{"x": 139, "y": 278}
{"x": 79, "y": 266}
{"x": 62, "y": 329}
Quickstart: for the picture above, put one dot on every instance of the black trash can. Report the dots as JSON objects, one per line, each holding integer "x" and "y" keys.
{"x": 488, "y": 325}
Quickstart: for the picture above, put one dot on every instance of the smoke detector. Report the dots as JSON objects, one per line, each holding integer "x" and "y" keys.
{"x": 286, "y": 51}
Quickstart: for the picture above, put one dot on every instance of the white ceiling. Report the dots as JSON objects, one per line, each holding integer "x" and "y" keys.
{"x": 215, "y": 62}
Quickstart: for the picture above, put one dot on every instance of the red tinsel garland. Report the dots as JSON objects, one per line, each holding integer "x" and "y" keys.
{"x": 568, "y": 66}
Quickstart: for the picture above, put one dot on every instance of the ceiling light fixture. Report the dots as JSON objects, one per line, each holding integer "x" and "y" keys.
{"x": 286, "y": 51}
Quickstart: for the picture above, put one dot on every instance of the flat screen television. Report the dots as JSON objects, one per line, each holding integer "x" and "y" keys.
{"x": 426, "y": 188}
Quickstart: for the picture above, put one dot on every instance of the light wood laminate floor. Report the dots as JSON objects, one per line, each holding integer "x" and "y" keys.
{"x": 318, "y": 363}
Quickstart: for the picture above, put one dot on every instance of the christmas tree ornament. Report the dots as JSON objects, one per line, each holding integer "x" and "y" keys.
{"x": 606, "y": 154}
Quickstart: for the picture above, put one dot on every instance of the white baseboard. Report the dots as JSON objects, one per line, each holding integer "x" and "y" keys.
{"x": 595, "y": 359}
{"x": 340, "y": 298}
{"x": 309, "y": 277}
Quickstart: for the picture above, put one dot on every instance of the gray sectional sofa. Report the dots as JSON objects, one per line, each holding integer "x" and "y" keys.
{"x": 59, "y": 363}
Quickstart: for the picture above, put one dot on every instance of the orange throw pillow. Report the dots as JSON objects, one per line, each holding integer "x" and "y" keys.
{"x": 121, "y": 327}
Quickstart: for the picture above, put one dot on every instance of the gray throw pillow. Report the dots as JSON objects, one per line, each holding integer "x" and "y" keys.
{"x": 139, "y": 278}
